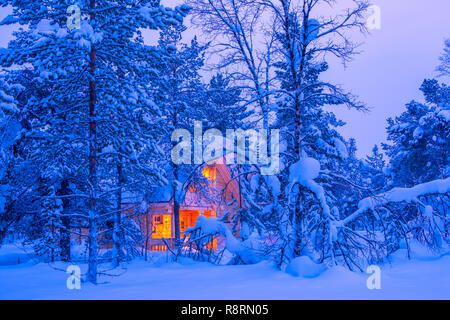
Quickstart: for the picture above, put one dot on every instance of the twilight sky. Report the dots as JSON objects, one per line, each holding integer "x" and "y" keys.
{"x": 387, "y": 74}
{"x": 392, "y": 66}
{"x": 394, "y": 62}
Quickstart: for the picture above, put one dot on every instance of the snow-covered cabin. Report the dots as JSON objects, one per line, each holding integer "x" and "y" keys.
{"x": 156, "y": 219}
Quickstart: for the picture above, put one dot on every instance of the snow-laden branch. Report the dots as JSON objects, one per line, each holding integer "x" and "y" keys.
{"x": 400, "y": 195}
{"x": 213, "y": 226}
{"x": 304, "y": 172}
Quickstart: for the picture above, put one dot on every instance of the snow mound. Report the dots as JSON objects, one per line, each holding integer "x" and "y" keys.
{"x": 304, "y": 170}
{"x": 14, "y": 259}
{"x": 12, "y": 255}
{"x": 417, "y": 252}
{"x": 304, "y": 267}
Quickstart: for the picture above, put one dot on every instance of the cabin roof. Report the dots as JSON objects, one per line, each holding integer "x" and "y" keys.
{"x": 164, "y": 193}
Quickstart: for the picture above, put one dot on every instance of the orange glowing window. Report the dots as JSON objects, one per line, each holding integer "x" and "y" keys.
{"x": 159, "y": 248}
{"x": 210, "y": 173}
{"x": 188, "y": 219}
{"x": 161, "y": 226}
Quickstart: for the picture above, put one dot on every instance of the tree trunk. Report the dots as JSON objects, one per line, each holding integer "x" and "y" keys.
{"x": 176, "y": 205}
{"x": 117, "y": 216}
{"x": 297, "y": 77}
{"x": 176, "y": 209}
{"x": 92, "y": 236}
{"x": 146, "y": 236}
{"x": 64, "y": 242}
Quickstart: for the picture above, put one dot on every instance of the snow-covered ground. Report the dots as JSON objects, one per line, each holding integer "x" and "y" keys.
{"x": 423, "y": 278}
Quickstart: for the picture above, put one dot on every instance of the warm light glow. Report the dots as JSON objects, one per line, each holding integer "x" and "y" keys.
{"x": 210, "y": 173}
{"x": 159, "y": 248}
{"x": 161, "y": 226}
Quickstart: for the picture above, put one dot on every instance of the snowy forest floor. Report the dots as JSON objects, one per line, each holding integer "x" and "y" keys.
{"x": 422, "y": 278}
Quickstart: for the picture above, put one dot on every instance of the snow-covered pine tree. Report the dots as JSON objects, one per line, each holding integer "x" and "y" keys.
{"x": 376, "y": 159}
{"x": 93, "y": 71}
{"x": 222, "y": 107}
{"x": 10, "y": 128}
{"x": 419, "y": 144}
{"x": 375, "y": 172}
{"x": 418, "y": 154}
{"x": 33, "y": 173}
{"x": 47, "y": 245}
{"x": 444, "y": 66}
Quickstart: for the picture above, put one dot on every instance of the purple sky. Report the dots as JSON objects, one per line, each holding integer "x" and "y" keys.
{"x": 392, "y": 66}
{"x": 389, "y": 71}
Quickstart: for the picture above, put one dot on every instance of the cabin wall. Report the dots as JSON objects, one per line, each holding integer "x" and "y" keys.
{"x": 231, "y": 200}
{"x": 214, "y": 205}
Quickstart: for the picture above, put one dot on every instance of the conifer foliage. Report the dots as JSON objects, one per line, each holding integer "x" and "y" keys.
{"x": 96, "y": 107}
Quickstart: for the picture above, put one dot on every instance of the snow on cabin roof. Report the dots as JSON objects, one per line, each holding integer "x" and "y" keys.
{"x": 160, "y": 193}
{"x": 129, "y": 197}
{"x": 165, "y": 193}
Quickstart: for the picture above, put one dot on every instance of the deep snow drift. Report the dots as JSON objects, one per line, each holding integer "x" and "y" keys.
{"x": 422, "y": 278}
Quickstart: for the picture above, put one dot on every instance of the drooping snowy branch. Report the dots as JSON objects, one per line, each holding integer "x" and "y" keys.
{"x": 396, "y": 195}
{"x": 206, "y": 227}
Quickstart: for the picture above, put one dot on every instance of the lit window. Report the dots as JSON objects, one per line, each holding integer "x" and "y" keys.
{"x": 161, "y": 226}
{"x": 210, "y": 173}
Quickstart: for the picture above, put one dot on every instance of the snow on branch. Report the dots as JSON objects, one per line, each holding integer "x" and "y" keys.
{"x": 213, "y": 226}
{"x": 400, "y": 195}
{"x": 304, "y": 172}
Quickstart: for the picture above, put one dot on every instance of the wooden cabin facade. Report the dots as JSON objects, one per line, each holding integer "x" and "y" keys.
{"x": 157, "y": 221}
